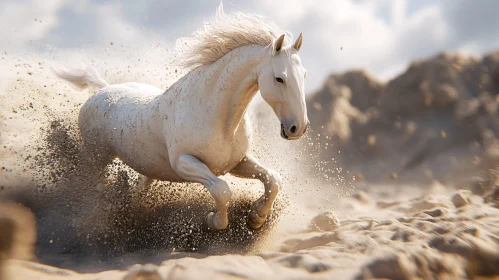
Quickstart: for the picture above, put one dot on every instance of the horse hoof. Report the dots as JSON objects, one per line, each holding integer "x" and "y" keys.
{"x": 210, "y": 222}
{"x": 255, "y": 221}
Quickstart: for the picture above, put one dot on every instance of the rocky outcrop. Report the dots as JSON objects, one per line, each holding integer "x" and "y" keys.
{"x": 439, "y": 116}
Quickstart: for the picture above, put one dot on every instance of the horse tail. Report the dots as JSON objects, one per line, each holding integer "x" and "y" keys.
{"x": 81, "y": 78}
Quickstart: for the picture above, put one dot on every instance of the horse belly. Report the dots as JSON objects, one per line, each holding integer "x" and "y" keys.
{"x": 155, "y": 166}
{"x": 145, "y": 154}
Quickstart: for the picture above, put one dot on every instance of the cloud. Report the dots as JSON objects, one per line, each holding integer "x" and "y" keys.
{"x": 380, "y": 35}
{"x": 472, "y": 24}
{"x": 420, "y": 35}
{"x": 84, "y": 23}
{"x": 22, "y": 22}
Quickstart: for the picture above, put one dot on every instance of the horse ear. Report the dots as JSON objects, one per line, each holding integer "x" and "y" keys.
{"x": 278, "y": 44}
{"x": 297, "y": 44}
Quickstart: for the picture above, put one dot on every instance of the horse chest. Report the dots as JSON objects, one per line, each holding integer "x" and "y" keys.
{"x": 223, "y": 156}
{"x": 221, "y": 153}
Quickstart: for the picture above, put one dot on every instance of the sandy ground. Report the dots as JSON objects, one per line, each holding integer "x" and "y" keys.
{"x": 430, "y": 234}
{"x": 326, "y": 225}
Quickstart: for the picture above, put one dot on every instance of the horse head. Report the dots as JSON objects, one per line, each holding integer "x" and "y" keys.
{"x": 282, "y": 85}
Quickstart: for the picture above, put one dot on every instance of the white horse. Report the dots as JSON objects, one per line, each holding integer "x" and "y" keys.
{"x": 198, "y": 129}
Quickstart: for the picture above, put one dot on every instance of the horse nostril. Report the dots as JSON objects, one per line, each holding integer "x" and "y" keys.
{"x": 293, "y": 129}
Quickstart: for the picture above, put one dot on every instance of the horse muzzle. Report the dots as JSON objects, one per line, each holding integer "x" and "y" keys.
{"x": 293, "y": 131}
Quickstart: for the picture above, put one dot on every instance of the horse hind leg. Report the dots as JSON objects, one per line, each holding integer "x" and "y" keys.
{"x": 193, "y": 170}
{"x": 95, "y": 162}
{"x": 143, "y": 183}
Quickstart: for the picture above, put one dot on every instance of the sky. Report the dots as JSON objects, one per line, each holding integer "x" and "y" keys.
{"x": 380, "y": 36}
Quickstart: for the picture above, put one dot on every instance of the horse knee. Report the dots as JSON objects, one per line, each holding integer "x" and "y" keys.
{"x": 274, "y": 183}
{"x": 191, "y": 168}
{"x": 221, "y": 192}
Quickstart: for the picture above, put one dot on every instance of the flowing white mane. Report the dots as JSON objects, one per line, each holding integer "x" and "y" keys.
{"x": 224, "y": 33}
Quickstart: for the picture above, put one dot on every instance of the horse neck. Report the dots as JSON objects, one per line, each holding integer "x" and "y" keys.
{"x": 234, "y": 84}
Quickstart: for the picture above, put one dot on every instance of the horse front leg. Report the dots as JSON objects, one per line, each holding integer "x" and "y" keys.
{"x": 193, "y": 170}
{"x": 250, "y": 168}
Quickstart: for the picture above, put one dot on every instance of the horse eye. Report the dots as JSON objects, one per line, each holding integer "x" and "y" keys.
{"x": 279, "y": 80}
